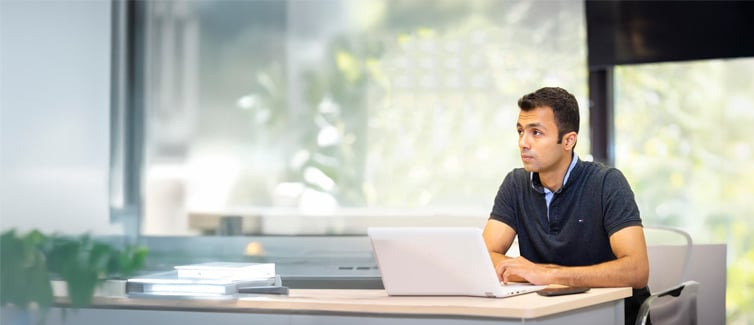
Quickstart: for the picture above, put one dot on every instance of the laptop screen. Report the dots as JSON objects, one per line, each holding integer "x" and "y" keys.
{"x": 442, "y": 261}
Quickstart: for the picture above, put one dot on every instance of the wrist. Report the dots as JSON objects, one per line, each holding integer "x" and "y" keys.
{"x": 554, "y": 275}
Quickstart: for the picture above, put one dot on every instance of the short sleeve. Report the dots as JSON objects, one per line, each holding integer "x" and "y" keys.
{"x": 620, "y": 209}
{"x": 504, "y": 209}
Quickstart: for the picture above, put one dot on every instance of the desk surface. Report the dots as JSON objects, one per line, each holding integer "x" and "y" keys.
{"x": 307, "y": 301}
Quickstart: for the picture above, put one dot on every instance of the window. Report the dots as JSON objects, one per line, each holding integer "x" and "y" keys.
{"x": 324, "y": 117}
{"x": 683, "y": 138}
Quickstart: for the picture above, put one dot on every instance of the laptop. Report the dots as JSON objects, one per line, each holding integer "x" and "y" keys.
{"x": 438, "y": 261}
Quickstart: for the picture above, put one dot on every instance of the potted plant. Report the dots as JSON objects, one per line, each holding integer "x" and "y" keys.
{"x": 28, "y": 262}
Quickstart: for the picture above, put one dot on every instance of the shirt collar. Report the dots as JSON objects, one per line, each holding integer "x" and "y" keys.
{"x": 537, "y": 185}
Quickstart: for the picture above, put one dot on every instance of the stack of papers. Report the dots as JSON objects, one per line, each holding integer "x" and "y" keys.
{"x": 221, "y": 280}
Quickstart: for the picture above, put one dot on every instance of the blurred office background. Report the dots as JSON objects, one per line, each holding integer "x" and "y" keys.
{"x": 286, "y": 124}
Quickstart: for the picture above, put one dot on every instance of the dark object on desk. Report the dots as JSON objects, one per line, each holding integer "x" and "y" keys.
{"x": 268, "y": 290}
{"x": 349, "y": 281}
{"x": 559, "y": 291}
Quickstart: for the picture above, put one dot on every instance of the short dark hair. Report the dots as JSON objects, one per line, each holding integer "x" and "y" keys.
{"x": 563, "y": 105}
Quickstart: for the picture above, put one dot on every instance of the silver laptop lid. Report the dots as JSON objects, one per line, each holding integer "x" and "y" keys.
{"x": 437, "y": 261}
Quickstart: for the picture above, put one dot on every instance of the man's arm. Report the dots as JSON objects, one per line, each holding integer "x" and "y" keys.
{"x": 498, "y": 237}
{"x": 630, "y": 269}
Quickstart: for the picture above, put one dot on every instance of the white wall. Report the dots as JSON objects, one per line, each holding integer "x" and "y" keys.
{"x": 54, "y": 115}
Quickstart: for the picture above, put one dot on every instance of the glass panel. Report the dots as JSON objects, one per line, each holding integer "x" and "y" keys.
{"x": 54, "y": 99}
{"x": 324, "y": 117}
{"x": 683, "y": 138}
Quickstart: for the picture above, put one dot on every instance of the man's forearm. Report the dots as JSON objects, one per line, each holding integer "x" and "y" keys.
{"x": 616, "y": 273}
{"x": 496, "y": 257}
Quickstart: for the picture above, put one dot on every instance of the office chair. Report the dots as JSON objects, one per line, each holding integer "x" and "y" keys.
{"x": 673, "y": 297}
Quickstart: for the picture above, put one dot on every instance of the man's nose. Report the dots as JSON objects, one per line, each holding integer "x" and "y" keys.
{"x": 523, "y": 142}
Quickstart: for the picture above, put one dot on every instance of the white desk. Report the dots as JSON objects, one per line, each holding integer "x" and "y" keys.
{"x": 598, "y": 306}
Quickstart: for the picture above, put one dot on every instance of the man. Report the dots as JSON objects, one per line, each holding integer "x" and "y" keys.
{"x": 577, "y": 222}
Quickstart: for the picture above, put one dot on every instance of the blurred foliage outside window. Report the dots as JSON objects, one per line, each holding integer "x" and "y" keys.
{"x": 317, "y": 106}
{"x": 684, "y": 139}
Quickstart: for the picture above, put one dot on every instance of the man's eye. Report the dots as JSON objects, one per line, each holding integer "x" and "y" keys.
{"x": 536, "y": 132}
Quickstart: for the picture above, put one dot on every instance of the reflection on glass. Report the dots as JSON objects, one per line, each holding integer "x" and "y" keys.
{"x": 362, "y": 111}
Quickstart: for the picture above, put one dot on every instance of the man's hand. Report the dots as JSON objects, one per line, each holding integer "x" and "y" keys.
{"x": 519, "y": 268}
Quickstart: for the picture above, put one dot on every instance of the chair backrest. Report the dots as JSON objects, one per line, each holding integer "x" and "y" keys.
{"x": 669, "y": 251}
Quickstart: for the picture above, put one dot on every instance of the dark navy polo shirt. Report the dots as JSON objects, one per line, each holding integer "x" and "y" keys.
{"x": 595, "y": 202}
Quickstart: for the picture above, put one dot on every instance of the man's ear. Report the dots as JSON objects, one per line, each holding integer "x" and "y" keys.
{"x": 569, "y": 140}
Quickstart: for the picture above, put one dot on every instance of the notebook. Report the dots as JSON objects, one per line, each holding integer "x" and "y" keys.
{"x": 438, "y": 261}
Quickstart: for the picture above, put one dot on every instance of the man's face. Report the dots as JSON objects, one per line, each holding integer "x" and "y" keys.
{"x": 538, "y": 140}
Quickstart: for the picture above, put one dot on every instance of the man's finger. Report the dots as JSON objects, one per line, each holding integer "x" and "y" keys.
{"x": 506, "y": 275}
{"x": 499, "y": 269}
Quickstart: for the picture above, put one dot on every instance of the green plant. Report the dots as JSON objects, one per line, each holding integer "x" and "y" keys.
{"x": 28, "y": 262}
